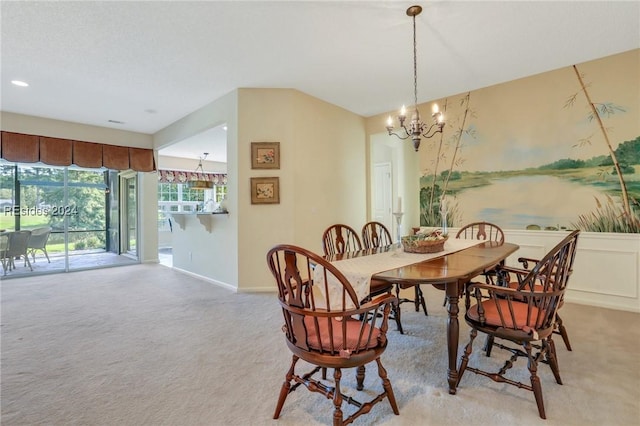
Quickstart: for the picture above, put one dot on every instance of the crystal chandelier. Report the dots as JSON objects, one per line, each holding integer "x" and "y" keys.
{"x": 416, "y": 129}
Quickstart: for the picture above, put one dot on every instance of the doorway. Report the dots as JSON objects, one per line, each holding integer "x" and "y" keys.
{"x": 382, "y": 184}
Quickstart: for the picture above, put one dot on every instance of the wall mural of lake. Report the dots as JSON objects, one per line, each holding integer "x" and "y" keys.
{"x": 558, "y": 150}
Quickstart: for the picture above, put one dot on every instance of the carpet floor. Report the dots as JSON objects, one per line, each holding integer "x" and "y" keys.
{"x": 147, "y": 345}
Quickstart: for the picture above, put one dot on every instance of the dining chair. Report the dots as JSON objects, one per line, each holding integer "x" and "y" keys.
{"x": 484, "y": 231}
{"x": 527, "y": 264}
{"x": 17, "y": 247}
{"x": 524, "y": 316}
{"x": 38, "y": 241}
{"x": 339, "y": 238}
{"x": 339, "y": 336}
{"x": 375, "y": 234}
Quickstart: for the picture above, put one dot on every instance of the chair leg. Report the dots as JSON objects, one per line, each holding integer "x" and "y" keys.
{"x": 535, "y": 380}
{"x": 46, "y": 254}
{"x": 488, "y": 345}
{"x": 550, "y": 347}
{"x": 360, "y": 373}
{"x": 337, "y": 399}
{"x": 464, "y": 360}
{"x": 563, "y": 332}
{"x": 386, "y": 384}
{"x": 396, "y": 311}
{"x": 420, "y": 300}
{"x": 27, "y": 262}
{"x": 286, "y": 387}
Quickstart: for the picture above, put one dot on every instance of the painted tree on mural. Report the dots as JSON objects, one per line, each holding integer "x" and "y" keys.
{"x": 608, "y": 217}
{"x": 432, "y": 208}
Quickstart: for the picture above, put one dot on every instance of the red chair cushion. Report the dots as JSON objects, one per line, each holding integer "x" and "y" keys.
{"x": 353, "y": 335}
{"x": 492, "y": 315}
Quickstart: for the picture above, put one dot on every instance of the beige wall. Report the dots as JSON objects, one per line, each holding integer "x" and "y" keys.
{"x": 63, "y": 129}
{"x": 322, "y": 175}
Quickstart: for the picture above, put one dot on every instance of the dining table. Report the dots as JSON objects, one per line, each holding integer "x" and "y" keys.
{"x": 450, "y": 270}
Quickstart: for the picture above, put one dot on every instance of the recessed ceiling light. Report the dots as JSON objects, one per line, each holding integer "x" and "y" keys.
{"x": 224, "y": 128}
{"x": 19, "y": 83}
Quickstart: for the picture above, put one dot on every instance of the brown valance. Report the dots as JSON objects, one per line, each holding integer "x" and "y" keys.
{"x": 140, "y": 160}
{"x": 22, "y": 148}
{"x": 178, "y": 176}
{"x": 56, "y": 152}
{"x": 87, "y": 154}
{"x": 115, "y": 157}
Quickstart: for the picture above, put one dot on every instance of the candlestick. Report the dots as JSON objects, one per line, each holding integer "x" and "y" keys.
{"x": 398, "y": 216}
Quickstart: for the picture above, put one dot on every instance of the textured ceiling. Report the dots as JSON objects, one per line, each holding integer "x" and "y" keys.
{"x": 147, "y": 64}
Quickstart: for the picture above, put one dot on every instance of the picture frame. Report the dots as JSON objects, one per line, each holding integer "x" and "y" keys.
{"x": 265, "y": 155}
{"x": 265, "y": 190}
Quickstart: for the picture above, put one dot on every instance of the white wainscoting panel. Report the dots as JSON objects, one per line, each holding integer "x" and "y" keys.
{"x": 606, "y": 269}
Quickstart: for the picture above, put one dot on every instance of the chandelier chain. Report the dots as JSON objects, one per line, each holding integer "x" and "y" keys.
{"x": 415, "y": 67}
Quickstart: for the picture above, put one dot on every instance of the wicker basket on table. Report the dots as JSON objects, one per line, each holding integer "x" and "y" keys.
{"x": 422, "y": 243}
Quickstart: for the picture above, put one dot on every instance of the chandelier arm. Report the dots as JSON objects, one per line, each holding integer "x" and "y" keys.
{"x": 406, "y": 134}
{"x": 426, "y": 132}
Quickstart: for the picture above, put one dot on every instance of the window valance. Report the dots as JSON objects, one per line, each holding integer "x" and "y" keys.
{"x": 23, "y": 148}
{"x": 176, "y": 176}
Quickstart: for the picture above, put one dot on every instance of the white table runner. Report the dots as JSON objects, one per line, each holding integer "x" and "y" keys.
{"x": 359, "y": 270}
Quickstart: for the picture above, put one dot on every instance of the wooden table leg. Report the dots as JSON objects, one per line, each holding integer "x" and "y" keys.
{"x": 453, "y": 334}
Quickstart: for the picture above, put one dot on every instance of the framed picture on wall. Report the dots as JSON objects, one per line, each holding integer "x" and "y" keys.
{"x": 265, "y": 190}
{"x": 265, "y": 155}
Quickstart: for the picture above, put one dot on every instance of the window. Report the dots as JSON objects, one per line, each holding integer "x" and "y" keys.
{"x": 179, "y": 198}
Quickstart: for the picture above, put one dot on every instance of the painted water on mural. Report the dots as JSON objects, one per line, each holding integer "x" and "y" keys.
{"x": 515, "y": 203}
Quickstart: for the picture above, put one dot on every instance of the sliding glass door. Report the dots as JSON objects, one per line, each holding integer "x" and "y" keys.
{"x": 129, "y": 214}
{"x": 76, "y": 206}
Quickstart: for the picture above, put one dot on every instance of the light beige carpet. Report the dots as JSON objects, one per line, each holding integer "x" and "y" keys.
{"x": 145, "y": 345}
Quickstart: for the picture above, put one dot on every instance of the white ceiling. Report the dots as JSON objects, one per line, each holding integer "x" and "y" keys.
{"x": 150, "y": 63}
